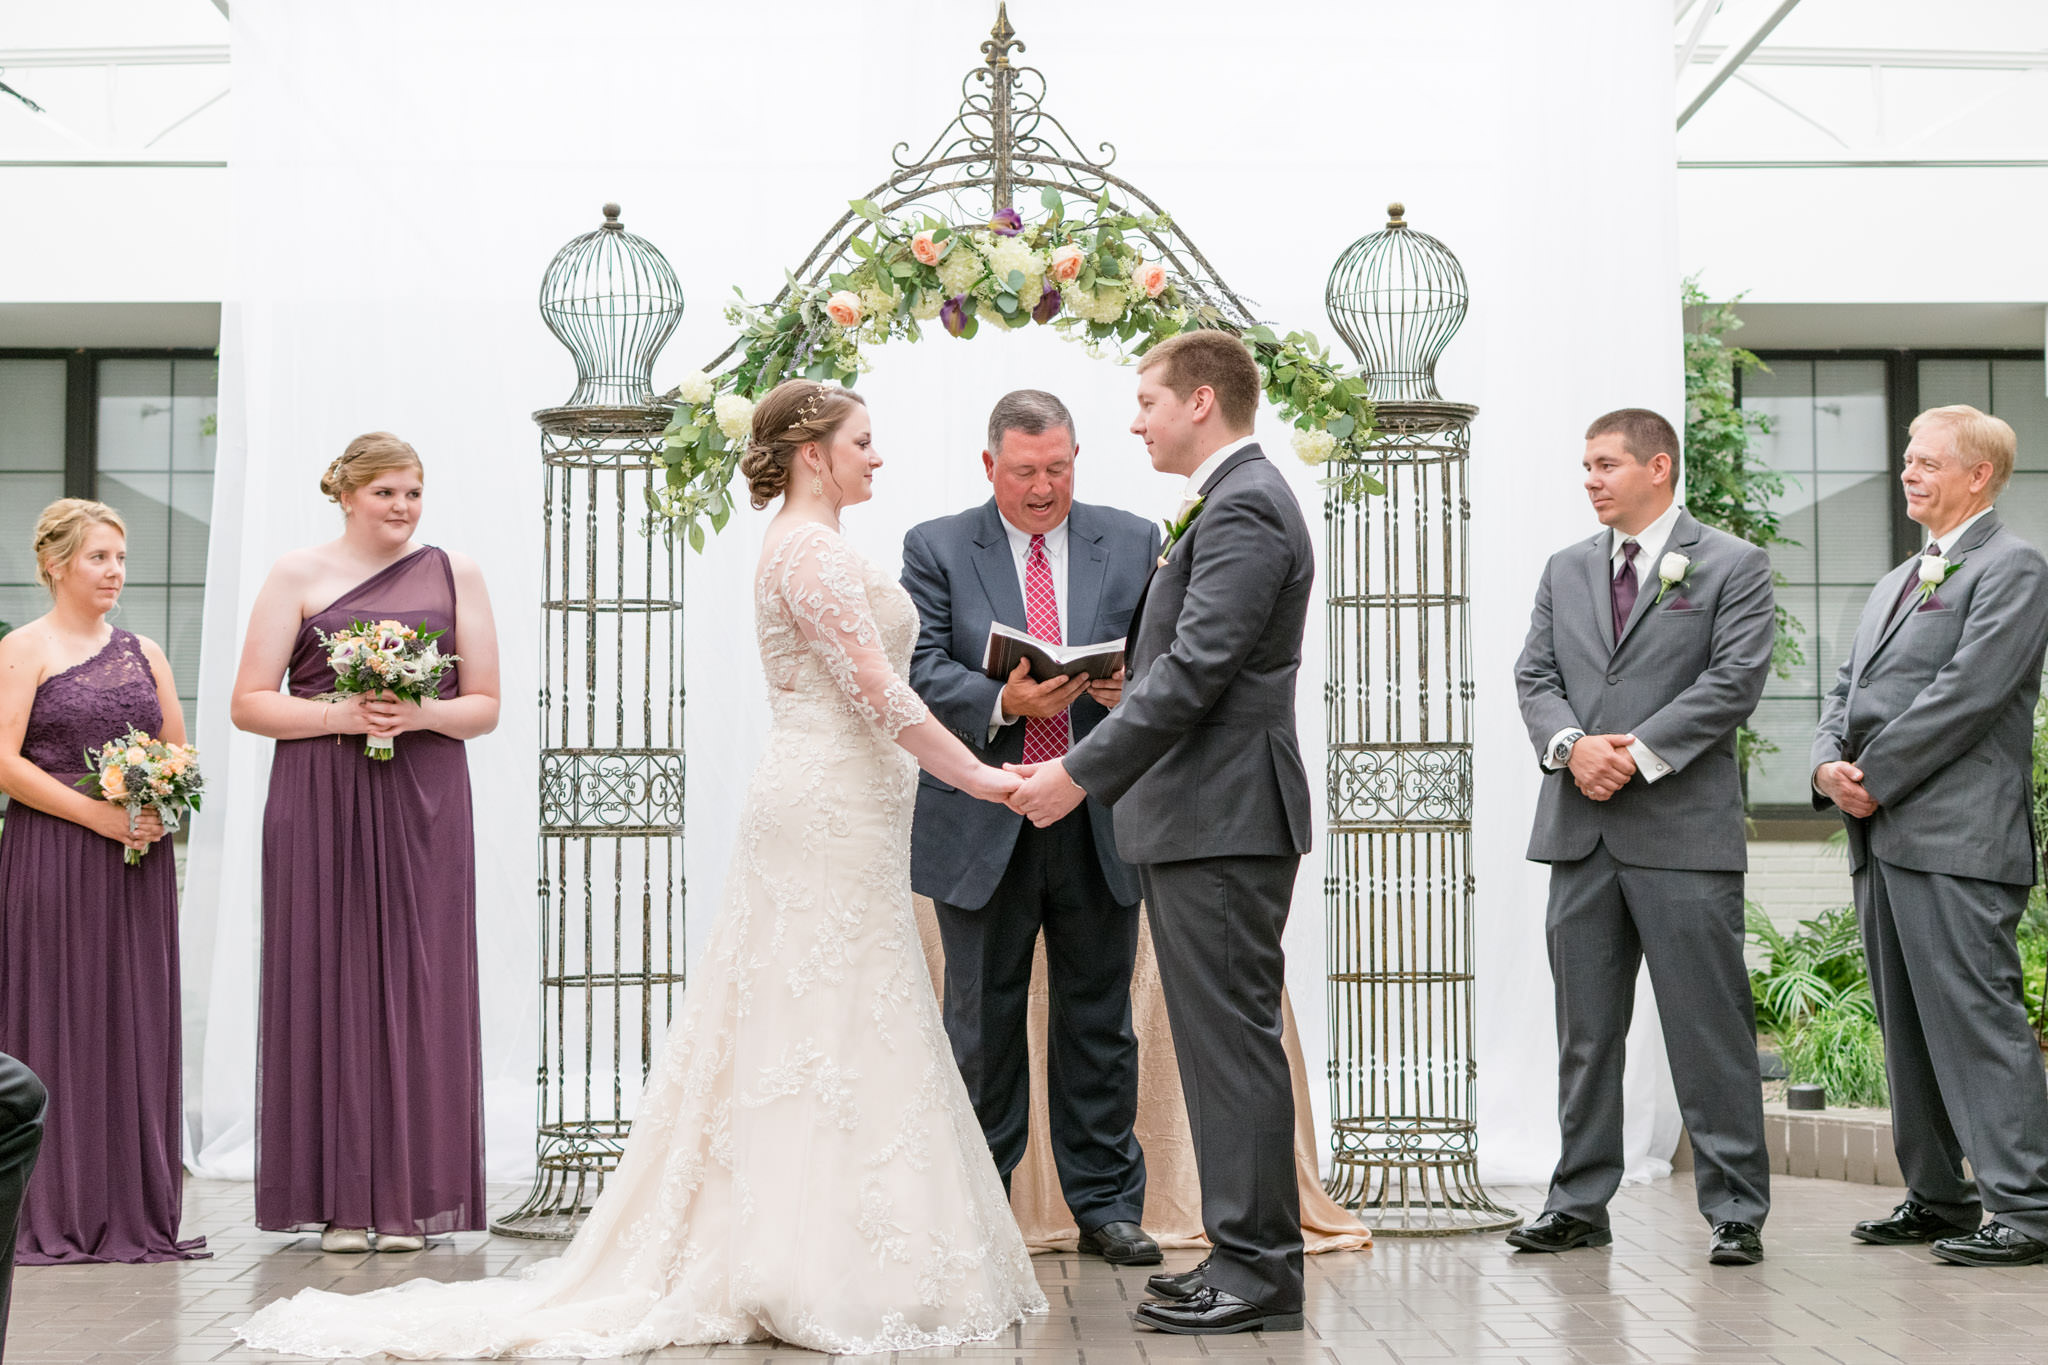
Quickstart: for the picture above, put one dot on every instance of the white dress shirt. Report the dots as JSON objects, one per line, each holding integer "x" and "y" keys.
{"x": 1056, "y": 561}
{"x": 1204, "y": 470}
{"x": 1650, "y": 543}
{"x": 1949, "y": 541}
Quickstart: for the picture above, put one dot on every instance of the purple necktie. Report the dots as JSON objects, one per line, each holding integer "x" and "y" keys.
{"x": 1625, "y": 588}
{"x": 1913, "y": 580}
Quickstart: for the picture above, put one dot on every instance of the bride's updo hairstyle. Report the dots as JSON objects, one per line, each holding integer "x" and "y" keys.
{"x": 367, "y": 456}
{"x": 795, "y": 413}
{"x": 61, "y": 532}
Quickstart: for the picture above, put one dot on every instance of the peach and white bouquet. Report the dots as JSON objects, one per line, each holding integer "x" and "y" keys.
{"x": 390, "y": 657}
{"x": 139, "y": 772}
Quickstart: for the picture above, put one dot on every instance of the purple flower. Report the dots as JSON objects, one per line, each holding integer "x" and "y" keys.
{"x": 1048, "y": 306}
{"x": 1008, "y": 223}
{"x": 953, "y": 314}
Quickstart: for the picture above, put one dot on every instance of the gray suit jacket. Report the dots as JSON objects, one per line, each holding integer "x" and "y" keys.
{"x": 1685, "y": 675}
{"x": 1200, "y": 758}
{"x": 960, "y": 572}
{"x": 1936, "y": 705}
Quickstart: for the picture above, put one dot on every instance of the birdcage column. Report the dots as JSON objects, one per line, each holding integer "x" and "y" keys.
{"x": 1398, "y": 886}
{"x": 611, "y": 885}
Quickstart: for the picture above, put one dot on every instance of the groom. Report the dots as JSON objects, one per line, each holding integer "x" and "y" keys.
{"x": 1200, "y": 762}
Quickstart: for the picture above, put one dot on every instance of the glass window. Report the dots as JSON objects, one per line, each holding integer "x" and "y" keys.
{"x": 2016, "y": 390}
{"x": 1828, "y": 439}
{"x": 31, "y": 476}
{"x": 155, "y": 464}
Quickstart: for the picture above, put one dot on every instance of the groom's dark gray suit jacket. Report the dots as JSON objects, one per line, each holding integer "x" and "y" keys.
{"x": 1200, "y": 759}
{"x": 1936, "y": 704}
{"x": 1686, "y": 674}
{"x": 961, "y": 574}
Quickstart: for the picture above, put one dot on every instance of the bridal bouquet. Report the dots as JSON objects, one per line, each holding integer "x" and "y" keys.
{"x": 385, "y": 656}
{"x": 136, "y": 771}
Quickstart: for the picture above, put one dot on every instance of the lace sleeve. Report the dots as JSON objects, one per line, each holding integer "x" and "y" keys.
{"x": 821, "y": 583}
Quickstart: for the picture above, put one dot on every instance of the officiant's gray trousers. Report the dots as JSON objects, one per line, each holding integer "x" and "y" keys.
{"x": 1964, "y": 1068}
{"x": 22, "y": 1101}
{"x": 1606, "y": 918}
{"x": 1216, "y": 925}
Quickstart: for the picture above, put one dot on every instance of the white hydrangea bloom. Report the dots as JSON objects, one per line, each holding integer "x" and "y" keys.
{"x": 1315, "y": 447}
{"x": 1104, "y": 303}
{"x": 959, "y": 270}
{"x": 1007, "y": 254}
{"x": 695, "y": 388}
{"x": 876, "y": 304}
{"x": 927, "y": 306}
{"x": 735, "y": 415}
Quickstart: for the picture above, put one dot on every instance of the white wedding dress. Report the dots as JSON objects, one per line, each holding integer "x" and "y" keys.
{"x": 804, "y": 1165}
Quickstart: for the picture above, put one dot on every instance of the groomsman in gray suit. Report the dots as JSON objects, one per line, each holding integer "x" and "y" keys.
{"x": 1926, "y": 747}
{"x": 1647, "y": 649}
{"x": 1201, "y": 764}
{"x": 1033, "y": 558}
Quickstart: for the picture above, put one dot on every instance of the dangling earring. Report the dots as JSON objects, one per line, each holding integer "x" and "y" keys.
{"x": 817, "y": 486}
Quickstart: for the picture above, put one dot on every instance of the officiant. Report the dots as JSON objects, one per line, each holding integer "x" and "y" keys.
{"x": 1068, "y": 573}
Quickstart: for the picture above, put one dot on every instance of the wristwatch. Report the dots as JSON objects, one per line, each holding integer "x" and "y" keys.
{"x": 1561, "y": 752}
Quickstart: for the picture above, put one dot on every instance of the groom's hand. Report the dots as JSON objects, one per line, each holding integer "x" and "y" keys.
{"x": 1047, "y": 794}
{"x": 1023, "y": 697}
{"x": 1601, "y": 765}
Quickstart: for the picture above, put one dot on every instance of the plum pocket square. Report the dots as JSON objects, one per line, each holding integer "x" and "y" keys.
{"x": 1933, "y": 603}
{"x": 1680, "y": 607}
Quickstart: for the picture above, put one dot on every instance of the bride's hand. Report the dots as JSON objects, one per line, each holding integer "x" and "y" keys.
{"x": 992, "y": 784}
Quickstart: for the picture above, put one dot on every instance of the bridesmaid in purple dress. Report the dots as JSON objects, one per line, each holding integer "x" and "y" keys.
{"x": 369, "y": 1115}
{"x": 88, "y": 946}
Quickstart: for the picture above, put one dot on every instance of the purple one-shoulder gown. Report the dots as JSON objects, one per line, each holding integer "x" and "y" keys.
{"x": 89, "y": 990}
{"x": 369, "y": 1075}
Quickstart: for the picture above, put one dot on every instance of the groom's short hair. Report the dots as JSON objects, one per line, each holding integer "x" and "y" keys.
{"x": 1644, "y": 434}
{"x": 1192, "y": 359}
{"x": 1031, "y": 411}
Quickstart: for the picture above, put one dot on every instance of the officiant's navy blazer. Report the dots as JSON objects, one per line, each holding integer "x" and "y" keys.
{"x": 962, "y": 575}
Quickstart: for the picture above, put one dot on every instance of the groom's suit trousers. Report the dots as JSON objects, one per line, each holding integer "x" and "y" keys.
{"x": 22, "y": 1101}
{"x": 1216, "y": 925}
{"x": 1605, "y": 919}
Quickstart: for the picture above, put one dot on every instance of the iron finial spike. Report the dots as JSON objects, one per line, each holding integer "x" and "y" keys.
{"x": 1394, "y": 211}
{"x": 1002, "y": 39}
{"x": 611, "y": 219}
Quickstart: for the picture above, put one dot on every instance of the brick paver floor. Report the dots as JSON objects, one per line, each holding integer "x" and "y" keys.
{"x": 1820, "y": 1297}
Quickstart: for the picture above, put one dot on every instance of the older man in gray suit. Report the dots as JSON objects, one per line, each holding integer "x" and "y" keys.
{"x": 1926, "y": 747}
{"x": 1647, "y": 650}
{"x": 1202, "y": 768}
{"x": 1033, "y": 558}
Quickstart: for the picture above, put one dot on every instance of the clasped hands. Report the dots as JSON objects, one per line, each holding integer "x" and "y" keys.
{"x": 1842, "y": 783}
{"x": 378, "y": 714}
{"x": 1601, "y": 765}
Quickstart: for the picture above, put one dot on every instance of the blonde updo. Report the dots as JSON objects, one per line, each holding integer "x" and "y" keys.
{"x": 61, "y": 532}
{"x": 795, "y": 413}
{"x": 367, "y": 456}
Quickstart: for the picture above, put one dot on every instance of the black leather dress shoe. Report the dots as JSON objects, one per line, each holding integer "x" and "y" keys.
{"x": 1735, "y": 1244}
{"x": 1910, "y": 1224}
{"x": 1559, "y": 1232}
{"x": 1119, "y": 1244}
{"x": 1174, "y": 1288}
{"x": 1209, "y": 1312}
{"x": 1994, "y": 1244}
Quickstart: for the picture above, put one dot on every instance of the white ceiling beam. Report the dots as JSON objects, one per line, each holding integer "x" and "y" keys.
{"x": 1733, "y": 58}
{"x": 1883, "y": 56}
{"x": 1794, "y": 110}
{"x": 1698, "y": 31}
{"x": 207, "y": 55}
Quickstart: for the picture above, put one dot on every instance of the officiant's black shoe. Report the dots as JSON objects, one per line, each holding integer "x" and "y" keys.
{"x": 1910, "y": 1224}
{"x": 1174, "y": 1288}
{"x": 1735, "y": 1244}
{"x": 1209, "y": 1312}
{"x": 1119, "y": 1244}
{"x": 1559, "y": 1232}
{"x": 1994, "y": 1244}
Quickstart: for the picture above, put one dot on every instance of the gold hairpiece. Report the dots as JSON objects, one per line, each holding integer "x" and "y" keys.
{"x": 812, "y": 405}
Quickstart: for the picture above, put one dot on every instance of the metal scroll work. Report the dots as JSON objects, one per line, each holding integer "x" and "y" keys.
{"x": 1399, "y": 885}
{"x": 611, "y": 711}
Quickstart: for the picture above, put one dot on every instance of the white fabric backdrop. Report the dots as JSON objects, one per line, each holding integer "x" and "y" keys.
{"x": 404, "y": 172}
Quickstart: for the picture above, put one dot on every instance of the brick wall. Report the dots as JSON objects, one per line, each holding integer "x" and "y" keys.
{"x": 1796, "y": 879}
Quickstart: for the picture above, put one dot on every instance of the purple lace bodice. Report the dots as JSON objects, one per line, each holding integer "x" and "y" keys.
{"x": 90, "y": 703}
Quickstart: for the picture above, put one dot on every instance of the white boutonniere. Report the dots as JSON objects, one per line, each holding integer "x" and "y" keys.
{"x": 1934, "y": 571}
{"x": 1671, "y": 572}
{"x": 1176, "y": 529}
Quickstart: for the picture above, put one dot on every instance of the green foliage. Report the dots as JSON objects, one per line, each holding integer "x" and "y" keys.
{"x": 1813, "y": 994}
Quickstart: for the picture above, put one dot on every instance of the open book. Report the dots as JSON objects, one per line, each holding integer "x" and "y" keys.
{"x": 1006, "y": 646}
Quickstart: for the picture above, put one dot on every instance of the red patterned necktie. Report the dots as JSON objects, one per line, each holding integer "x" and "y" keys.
{"x": 1044, "y": 739}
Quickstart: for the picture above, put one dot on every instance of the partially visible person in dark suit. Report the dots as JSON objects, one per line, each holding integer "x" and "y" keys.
{"x": 22, "y": 1101}
{"x": 1068, "y": 572}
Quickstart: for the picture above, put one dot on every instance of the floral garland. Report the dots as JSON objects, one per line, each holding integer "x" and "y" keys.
{"x": 1084, "y": 276}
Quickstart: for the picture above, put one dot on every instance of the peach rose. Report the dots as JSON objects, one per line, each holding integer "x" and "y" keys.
{"x": 114, "y": 781}
{"x": 135, "y": 755}
{"x": 1065, "y": 263}
{"x": 844, "y": 308}
{"x": 928, "y": 249}
{"x": 1150, "y": 277}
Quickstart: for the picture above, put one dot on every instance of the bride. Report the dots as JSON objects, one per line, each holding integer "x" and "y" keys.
{"x": 805, "y": 1165}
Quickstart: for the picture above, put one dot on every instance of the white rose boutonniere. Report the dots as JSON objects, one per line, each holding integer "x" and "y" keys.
{"x": 1934, "y": 571}
{"x": 1176, "y": 529}
{"x": 1671, "y": 571}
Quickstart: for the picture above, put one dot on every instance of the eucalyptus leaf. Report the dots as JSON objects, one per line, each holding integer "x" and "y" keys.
{"x": 866, "y": 209}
